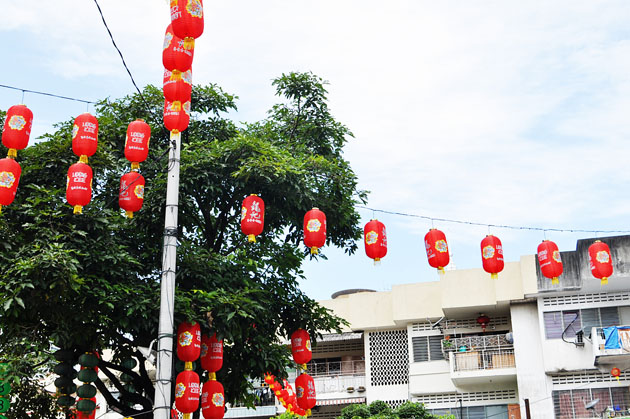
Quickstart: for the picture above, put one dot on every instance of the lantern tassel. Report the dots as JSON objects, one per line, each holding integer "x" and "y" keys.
{"x": 554, "y": 280}
{"x": 83, "y": 158}
{"x": 188, "y": 366}
{"x": 12, "y": 154}
{"x": 135, "y": 165}
{"x": 129, "y": 214}
{"x": 314, "y": 250}
{"x": 0, "y": 209}
{"x": 377, "y": 261}
{"x": 308, "y": 412}
{"x": 212, "y": 376}
{"x": 604, "y": 281}
{"x": 176, "y": 75}
{"x": 617, "y": 377}
{"x": 78, "y": 209}
{"x": 251, "y": 238}
{"x": 186, "y": 415}
{"x": 494, "y": 276}
{"x": 441, "y": 270}
{"x": 189, "y": 43}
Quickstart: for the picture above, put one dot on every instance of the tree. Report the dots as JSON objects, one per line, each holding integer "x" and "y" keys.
{"x": 380, "y": 410}
{"x": 91, "y": 282}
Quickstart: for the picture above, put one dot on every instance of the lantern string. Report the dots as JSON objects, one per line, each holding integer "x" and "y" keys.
{"x": 503, "y": 226}
{"x": 44, "y": 94}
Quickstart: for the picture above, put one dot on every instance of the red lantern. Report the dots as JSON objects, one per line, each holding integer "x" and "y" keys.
{"x": 549, "y": 260}
{"x": 79, "y": 186}
{"x": 85, "y": 136}
{"x": 305, "y": 391}
{"x": 492, "y": 255}
{"x": 176, "y": 116}
{"x": 213, "y": 400}
{"x": 187, "y": 391}
{"x": 615, "y": 372}
{"x": 600, "y": 261}
{"x": 188, "y": 341}
{"x": 177, "y": 85}
{"x": 131, "y": 194}
{"x": 137, "y": 142}
{"x": 375, "y": 239}
{"x": 301, "y": 346}
{"x": 17, "y": 128}
{"x": 174, "y": 54}
{"x": 187, "y": 19}
{"x": 269, "y": 379}
{"x": 211, "y": 353}
{"x": 10, "y": 172}
{"x": 483, "y": 321}
{"x": 85, "y": 415}
{"x": 314, "y": 229}
{"x": 252, "y": 217}
{"x": 437, "y": 249}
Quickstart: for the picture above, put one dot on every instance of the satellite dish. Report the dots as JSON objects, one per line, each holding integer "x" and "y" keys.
{"x": 591, "y": 404}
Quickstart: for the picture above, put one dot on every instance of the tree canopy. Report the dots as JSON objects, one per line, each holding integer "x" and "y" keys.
{"x": 91, "y": 281}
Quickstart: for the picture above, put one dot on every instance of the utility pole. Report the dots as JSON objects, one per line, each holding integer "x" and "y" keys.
{"x": 162, "y": 403}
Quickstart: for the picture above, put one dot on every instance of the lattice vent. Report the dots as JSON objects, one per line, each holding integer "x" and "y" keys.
{"x": 338, "y": 346}
{"x": 389, "y": 357}
{"x": 452, "y": 398}
{"x": 421, "y": 327}
{"x": 601, "y": 297}
{"x": 394, "y": 403}
{"x": 586, "y": 377}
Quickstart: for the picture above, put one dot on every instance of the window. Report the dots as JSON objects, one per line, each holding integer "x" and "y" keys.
{"x": 474, "y": 412}
{"x": 427, "y": 348}
{"x": 571, "y": 404}
{"x": 575, "y": 320}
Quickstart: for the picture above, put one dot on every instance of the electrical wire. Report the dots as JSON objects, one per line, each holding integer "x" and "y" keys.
{"x": 46, "y": 94}
{"x": 505, "y": 226}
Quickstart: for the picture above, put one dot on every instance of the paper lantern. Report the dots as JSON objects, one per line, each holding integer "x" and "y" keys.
{"x": 437, "y": 249}
{"x": 176, "y": 116}
{"x": 492, "y": 255}
{"x": 375, "y": 239}
{"x": 301, "y": 346}
{"x": 10, "y": 172}
{"x": 131, "y": 193}
{"x": 211, "y": 353}
{"x": 305, "y": 391}
{"x": 549, "y": 260}
{"x": 85, "y": 136}
{"x": 213, "y": 400}
{"x": 17, "y": 128}
{"x": 187, "y": 391}
{"x": 615, "y": 372}
{"x": 483, "y": 321}
{"x": 137, "y": 142}
{"x": 187, "y": 19}
{"x": 174, "y": 55}
{"x": 252, "y": 217}
{"x": 177, "y": 85}
{"x": 600, "y": 261}
{"x": 79, "y": 186}
{"x": 188, "y": 341}
{"x": 314, "y": 230}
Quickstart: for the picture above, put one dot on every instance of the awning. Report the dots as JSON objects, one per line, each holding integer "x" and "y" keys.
{"x": 333, "y": 337}
{"x": 331, "y": 402}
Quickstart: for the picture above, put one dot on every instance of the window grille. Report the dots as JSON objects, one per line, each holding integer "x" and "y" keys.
{"x": 569, "y": 404}
{"x": 601, "y": 297}
{"x": 427, "y": 348}
{"x": 338, "y": 346}
{"x": 499, "y": 411}
{"x": 389, "y": 357}
{"x": 556, "y": 321}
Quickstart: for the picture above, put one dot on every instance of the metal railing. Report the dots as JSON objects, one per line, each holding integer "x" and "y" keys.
{"x": 483, "y": 360}
{"x": 479, "y": 343}
{"x": 335, "y": 368}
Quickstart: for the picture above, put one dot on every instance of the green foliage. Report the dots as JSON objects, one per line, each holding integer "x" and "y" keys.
{"x": 92, "y": 281}
{"x": 355, "y": 410}
{"x": 29, "y": 399}
{"x": 411, "y": 410}
{"x": 380, "y": 410}
{"x": 379, "y": 407}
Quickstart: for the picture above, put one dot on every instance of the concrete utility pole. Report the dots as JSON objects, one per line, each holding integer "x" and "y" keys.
{"x": 162, "y": 404}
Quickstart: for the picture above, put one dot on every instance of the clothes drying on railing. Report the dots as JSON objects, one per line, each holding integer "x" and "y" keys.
{"x": 617, "y": 337}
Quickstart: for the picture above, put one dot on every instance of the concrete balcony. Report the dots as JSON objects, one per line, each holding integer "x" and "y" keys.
{"x": 613, "y": 351}
{"x": 491, "y": 366}
{"x": 333, "y": 380}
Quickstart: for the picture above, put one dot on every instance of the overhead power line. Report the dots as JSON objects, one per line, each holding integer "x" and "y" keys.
{"x": 47, "y": 94}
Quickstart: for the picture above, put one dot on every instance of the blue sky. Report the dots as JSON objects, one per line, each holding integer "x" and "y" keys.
{"x": 499, "y": 112}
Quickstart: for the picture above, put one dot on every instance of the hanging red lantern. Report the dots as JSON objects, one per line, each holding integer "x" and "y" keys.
{"x": 87, "y": 415}
{"x": 176, "y": 116}
{"x": 187, "y": 19}
{"x": 437, "y": 249}
{"x": 213, "y": 400}
{"x": 314, "y": 229}
{"x": 187, "y": 391}
{"x": 211, "y": 353}
{"x": 305, "y": 391}
{"x": 188, "y": 341}
{"x": 492, "y": 255}
{"x": 375, "y": 239}
{"x": 174, "y": 54}
{"x": 252, "y": 217}
{"x": 137, "y": 142}
{"x": 549, "y": 260}
{"x": 600, "y": 261}
{"x": 131, "y": 194}
{"x": 17, "y": 129}
{"x": 10, "y": 172}
{"x": 79, "y": 186}
{"x": 616, "y": 372}
{"x": 483, "y": 321}
{"x": 301, "y": 346}
{"x": 177, "y": 85}
{"x": 85, "y": 136}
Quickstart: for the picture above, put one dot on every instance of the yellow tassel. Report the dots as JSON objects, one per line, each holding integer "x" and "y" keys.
{"x": 212, "y": 376}
{"x": 189, "y": 43}
{"x": 308, "y": 412}
{"x": 12, "y": 153}
{"x": 176, "y": 75}
{"x": 604, "y": 281}
{"x": 135, "y": 165}
{"x": 188, "y": 366}
{"x": 186, "y": 415}
{"x": 129, "y": 214}
{"x": 78, "y": 209}
{"x": 441, "y": 270}
{"x": 494, "y": 276}
{"x": 314, "y": 250}
{"x": 554, "y": 280}
{"x": 617, "y": 377}
{"x": 251, "y": 238}
{"x": 83, "y": 159}
{"x": 0, "y": 209}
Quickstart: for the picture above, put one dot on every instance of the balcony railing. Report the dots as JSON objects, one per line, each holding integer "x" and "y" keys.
{"x": 475, "y": 343}
{"x": 328, "y": 369}
{"x": 483, "y": 360}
